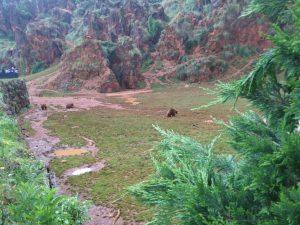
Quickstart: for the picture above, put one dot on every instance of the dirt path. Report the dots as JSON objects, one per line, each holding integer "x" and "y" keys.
{"x": 43, "y": 145}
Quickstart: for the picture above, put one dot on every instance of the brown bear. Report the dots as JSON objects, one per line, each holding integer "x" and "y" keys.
{"x": 70, "y": 106}
{"x": 43, "y": 106}
{"x": 172, "y": 113}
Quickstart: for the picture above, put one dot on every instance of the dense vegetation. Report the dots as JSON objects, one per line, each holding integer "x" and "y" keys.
{"x": 25, "y": 197}
{"x": 193, "y": 185}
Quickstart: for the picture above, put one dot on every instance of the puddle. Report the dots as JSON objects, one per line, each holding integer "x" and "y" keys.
{"x": 81, "y": 171}
{"x": 69, "y": 152}
{"x": 84, "y": 169}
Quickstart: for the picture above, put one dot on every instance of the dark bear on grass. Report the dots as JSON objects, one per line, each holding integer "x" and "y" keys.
{"x": 43, "y": 106}
{"x": 70, "y": 106}
{"x": 172, "y": 112}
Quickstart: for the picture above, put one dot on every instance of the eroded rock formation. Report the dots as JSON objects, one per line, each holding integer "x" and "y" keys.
{"x": 104, "y": 44}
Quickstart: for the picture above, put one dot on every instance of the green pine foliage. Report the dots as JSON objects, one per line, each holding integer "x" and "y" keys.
{"x": 24, "y": 196}
{"x": 260, "y": 185}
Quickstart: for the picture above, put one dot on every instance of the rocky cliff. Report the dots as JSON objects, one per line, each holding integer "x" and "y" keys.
{"x": 14, "y": 97}
{"x": 110, "y": 45}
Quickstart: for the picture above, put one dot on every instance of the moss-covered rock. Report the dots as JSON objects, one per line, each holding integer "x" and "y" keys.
{"x": 14, "y": 96}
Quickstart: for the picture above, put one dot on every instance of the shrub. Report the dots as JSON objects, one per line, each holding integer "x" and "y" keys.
{"x": 154, "y": 29}
{"x": 226, "y": 35}
{"x": 38, "y": 67}
{"x": 146, "y": 65}
{"x": 192, "y": 185}
{"x": 37, "y": 205}
{"x": 5, "y": 46}
{"x": 241, "y": 50}
{"x": 189, "y": 5}
{"x": 183, "y": 59}
{"x": 181, "y": 72}
{"x": 195, "y": 38}
{"x": 189, "y": 44}
{"x": 108, "y": 48}
{"x": 24, "y": 196}
{"x": 227, "y": 55}
{"x": 25, "y": 9}
{"x": 135, "y": 51}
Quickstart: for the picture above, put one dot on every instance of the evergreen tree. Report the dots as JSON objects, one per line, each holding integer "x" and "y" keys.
{"x": 194, "y": 186}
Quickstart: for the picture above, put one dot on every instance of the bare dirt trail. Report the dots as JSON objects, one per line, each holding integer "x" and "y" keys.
{"x": 43, "y": 145}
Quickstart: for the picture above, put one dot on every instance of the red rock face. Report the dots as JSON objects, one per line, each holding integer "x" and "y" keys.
{"x": 192, "y": 34}
{"x": 126, "y": 64}
{"x": 252, "y": 34}
{"x": 38, "y": 40}
{"x": 43, "y": 43}
{"x": 170, "y": 46}
{"x": 85, "y": 67}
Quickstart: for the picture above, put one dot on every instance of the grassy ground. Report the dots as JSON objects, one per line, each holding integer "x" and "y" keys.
{"x": 44, "y": 73}
{"x": 24, "y": 124}
{"x": 52, "y": 93}
{"x": 124, "y": 138}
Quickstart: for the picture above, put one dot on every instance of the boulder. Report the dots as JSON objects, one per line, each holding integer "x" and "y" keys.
{"x": 85, "y": 67}
{"x": 15, "y": 96}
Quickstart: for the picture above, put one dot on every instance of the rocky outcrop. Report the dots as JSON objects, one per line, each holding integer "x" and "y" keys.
{"x": 38, "y": 28}
{"x": 85, "y": 67}
{"x": 170, "y": 46}
{"x": 44, "y": 40}
{"x": 106, "y": 68}
{"x": 14, "y": 96}
{"x": 114, "y": 39}
{"x": 126, "y": 63}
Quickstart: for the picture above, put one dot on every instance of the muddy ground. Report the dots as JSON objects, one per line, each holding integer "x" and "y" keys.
{"x": 45, "y": 147}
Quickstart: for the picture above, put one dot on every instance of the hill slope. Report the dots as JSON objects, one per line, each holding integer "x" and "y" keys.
{"x": 110, "y": 45}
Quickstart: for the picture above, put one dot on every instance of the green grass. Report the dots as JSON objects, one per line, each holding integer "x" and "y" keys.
{"x": 124, "y": 138}
{"x": 46, "y": 72}
{"x": 53, "y": 93}
{"x": 27, "y": 126}
{"x": 146, "y": 64}
{"x": 158, "y": 87}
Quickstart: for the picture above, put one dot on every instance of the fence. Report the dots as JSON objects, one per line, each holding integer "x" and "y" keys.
{"x": 9, "y": 75}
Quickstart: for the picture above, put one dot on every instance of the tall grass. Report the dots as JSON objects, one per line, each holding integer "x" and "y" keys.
{"x": 25, "y": 197}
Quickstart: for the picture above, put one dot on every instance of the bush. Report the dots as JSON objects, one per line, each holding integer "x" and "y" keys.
{"x": 108, "y": 48}
{"x": 24, "y": 196}
{"x": 181, "y": 72}
{"x": 189, "y": 44}
{"x": 241, "y": 50}
{"x": 38, "y": 67}
{"x": 227, "y": 55}
{"x": 146, "y": 65}
{"x": 154, "y": 29}
{"x": 25, "y": 9}
{"x": 37, "y": 205}
{"x": 195, "y": 38}
{"x": 203, "y": 68}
